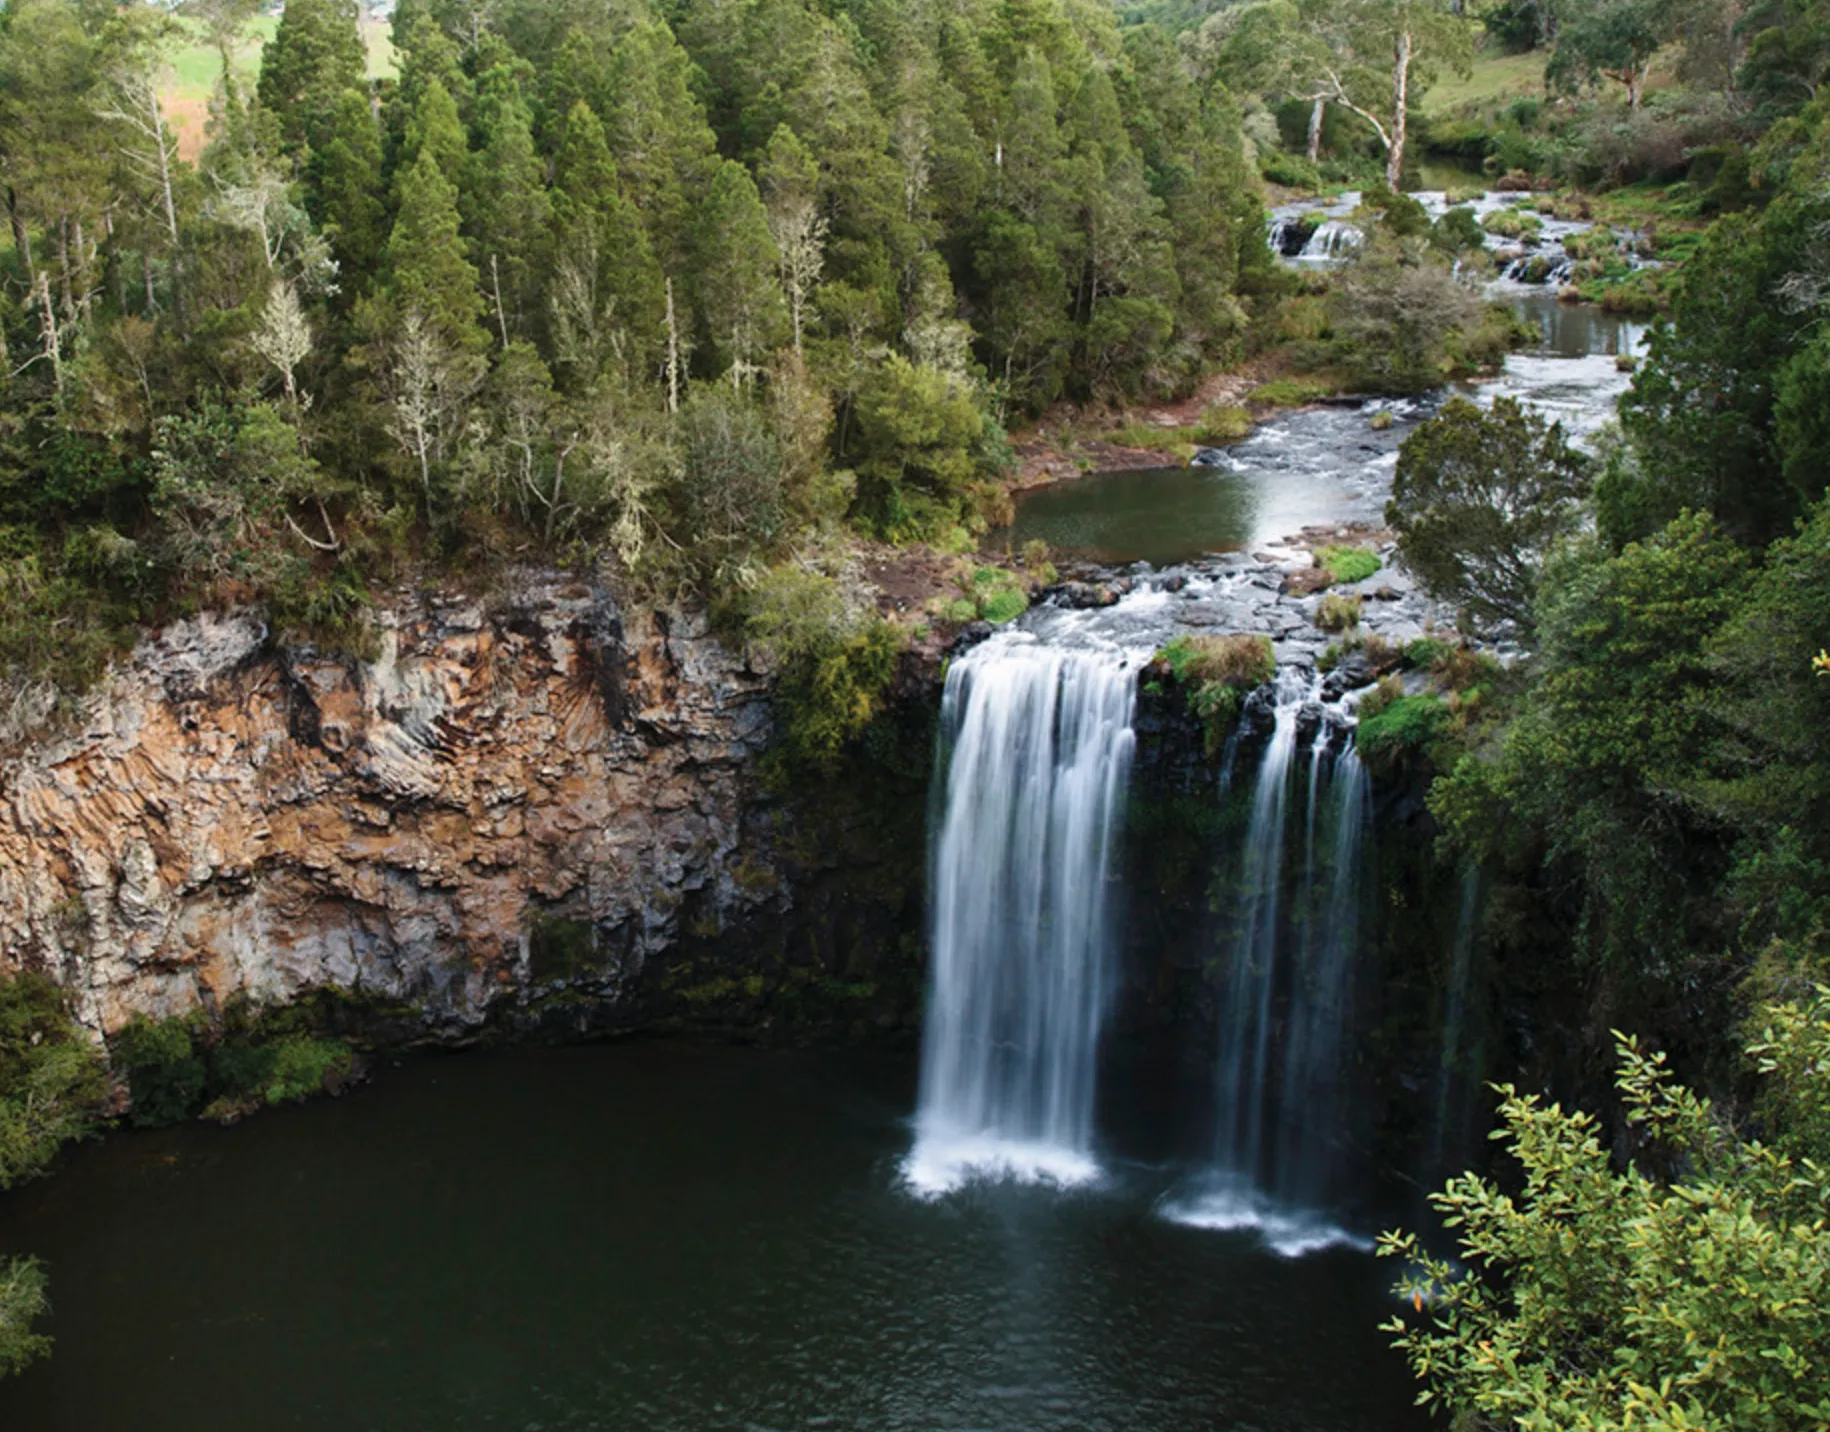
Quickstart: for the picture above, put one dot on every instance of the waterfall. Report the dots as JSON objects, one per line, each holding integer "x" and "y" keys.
{"x": 1331, "y": 241}
{"x": 1459, "y": 1046}
{"x": 1037, "y": 748}
{"x": 1312, "y": 1109}
{"x": 1245, "y": 1021}
{"x": 1287, "y": 999}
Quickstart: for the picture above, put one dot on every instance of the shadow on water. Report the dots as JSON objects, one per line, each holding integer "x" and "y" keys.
{"x": 658, "y": 1236}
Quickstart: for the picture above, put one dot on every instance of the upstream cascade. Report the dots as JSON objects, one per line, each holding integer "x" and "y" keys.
{"x": 1030, "y": 792}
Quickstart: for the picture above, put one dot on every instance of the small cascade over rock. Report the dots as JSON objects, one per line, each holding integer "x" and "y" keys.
{"x": 1331, "y": 242}
{"x": 1030, "y": 791}
{"x": 1288, "y": 993}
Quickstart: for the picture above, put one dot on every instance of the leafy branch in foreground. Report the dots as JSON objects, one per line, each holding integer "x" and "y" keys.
{"x": 1690, "y": 1290}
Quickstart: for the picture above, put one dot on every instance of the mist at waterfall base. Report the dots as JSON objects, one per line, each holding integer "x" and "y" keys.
{"x": 1038, "y": 745}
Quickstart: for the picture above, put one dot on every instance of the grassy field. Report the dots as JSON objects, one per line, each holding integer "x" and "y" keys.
{"x": 195, "y": 68}
{"x": 1494, "y": 76}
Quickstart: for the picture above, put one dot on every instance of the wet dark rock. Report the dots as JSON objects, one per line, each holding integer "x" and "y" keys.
{"x": 970, "y": 635}
{"x": 1080, "y": 596}
{"x": 1353, "y": 671}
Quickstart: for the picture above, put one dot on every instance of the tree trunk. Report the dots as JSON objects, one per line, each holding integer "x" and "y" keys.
{"x": 1317, "y": 112}
{"x": 1401, "y": 86}
{"x": 673, "y": 353}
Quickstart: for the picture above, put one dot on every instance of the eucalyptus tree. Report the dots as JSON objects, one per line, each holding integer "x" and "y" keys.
{"x": 1615, "y": 40}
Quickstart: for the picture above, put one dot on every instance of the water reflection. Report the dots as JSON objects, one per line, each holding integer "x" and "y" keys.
{"x": 661, "y": 1237}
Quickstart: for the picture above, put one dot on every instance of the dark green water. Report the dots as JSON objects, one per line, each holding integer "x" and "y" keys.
{"x": 657, "y": 1236}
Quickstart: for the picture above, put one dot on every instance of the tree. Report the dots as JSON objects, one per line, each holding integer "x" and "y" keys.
{"x": 1478, "y": 501}
{"x": 316, "y": 53}
{"x": 1394, "y": 45}
{"x": 512, "y": 223}
{"x": 1609, "y": 1298}
{"x": 344, "y": 191}
{"x": 919, "y": 432}
{"x": 790, "y": 186}
{"x": 1613, "y": 39}
{"x": 606, "y": 298}
{"x": 428, "y": 273}
{"x": 1400, "y": 313}
{"x": 738, "y": 298}
{"x": 22, "y": 1303}
{"x": 226, "y": 481}
{"x": 664, "y": 149}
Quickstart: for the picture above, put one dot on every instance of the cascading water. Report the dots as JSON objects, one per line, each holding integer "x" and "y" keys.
{"x": 1032, "y": 792}
{"x": 1331, "y": 242}
{"x": 1287, "y": 999}
{"x": 1458, "y": 1054}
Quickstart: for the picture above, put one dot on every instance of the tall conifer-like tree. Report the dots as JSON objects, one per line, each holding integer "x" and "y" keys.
{"x": 428, "y": 272}
{"x": 663, "y": 146}
{"x": 738, "y": 297}
{"x": 343, "y": 190}
{"x": 606, "y": 297}
{"x": 512, "y": 211}
{"x": 315, "y": 54}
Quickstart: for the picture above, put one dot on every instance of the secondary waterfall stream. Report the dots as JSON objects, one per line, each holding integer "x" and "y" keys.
{"x": 1288, "y": 990}
{"x": 1029, "y": 803}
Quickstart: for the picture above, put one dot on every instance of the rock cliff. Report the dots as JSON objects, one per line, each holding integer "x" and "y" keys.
{"x": 541, "y": 804}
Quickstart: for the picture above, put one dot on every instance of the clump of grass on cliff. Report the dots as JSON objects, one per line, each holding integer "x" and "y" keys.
{"x": 1215, "y": 672}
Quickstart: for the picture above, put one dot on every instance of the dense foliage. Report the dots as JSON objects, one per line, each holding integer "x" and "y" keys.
{"x": 1479, "y": 499}
{"x": 677, "y": 288}
{"x": 1689, "y": 1289}
{"x": 51, "y": 1092}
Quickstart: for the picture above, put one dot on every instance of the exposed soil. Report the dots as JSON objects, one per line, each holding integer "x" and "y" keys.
{"x": 1066, "y": 441}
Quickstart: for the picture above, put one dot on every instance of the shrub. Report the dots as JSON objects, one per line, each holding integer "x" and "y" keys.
{"x": 1238, "y": 661}
{"x": 999, "y": 594}
{"x": 1348, "y": 564}
{"x": 828, "y": 692}
{"x": 1338, "y": 613}
{"x": 1479, "y": 498}
{"x": 51, "y": 1082}
{"x": 1679, "y": 1289}
{"x": 1512, "y": 223}
{"x": 1426, "y": 651}
{"x": 1214, "y": 671}
{"x": 1397, "y": 728}
{"x": 300, "y": 1065}
{"x": 22, "y": 1303}
{"x": 1223, "y": 424}
{"x": 164, "y": 1073}
{"x": 1293, "y": 171}
{"x": 1290, "y": 392}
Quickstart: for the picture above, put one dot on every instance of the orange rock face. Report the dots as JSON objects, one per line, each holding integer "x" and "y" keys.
{"x": 226, "y": 817}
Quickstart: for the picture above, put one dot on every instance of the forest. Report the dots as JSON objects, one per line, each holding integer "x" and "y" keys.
{"x": 717, "y": 299}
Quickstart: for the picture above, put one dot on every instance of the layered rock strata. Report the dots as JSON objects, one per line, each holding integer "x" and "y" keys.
{"x": 511, "y": 804}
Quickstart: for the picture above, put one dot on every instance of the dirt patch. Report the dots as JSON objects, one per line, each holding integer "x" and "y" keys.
{"x": 187, "y": 119}
{"x": 1068, "y": 441}
{"x": 908, "y": 578}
